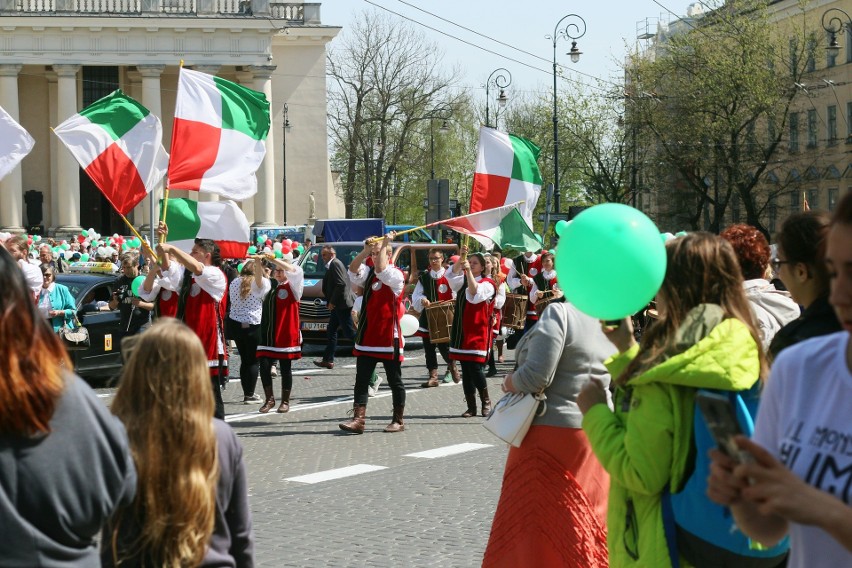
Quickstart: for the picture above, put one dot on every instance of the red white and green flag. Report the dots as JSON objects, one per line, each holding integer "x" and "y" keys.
{"x": 501, "y": 226}
{"x": 120, "y": 145}
{"x": 15, "y": 143}
{"x": 218, "y": 136}
{"x": 506, "y": 173}
{"x": 221, "y": 221}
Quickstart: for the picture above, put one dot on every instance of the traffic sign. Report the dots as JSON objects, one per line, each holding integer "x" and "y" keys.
{"x": 554, "y": 217}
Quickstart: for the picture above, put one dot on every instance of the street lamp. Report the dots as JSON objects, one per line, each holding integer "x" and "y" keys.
{"x": 833, "y": 24}
{"x": 286, "y": 127}
{"x": 573, "y": 32}
{"x": 501, "y": 78}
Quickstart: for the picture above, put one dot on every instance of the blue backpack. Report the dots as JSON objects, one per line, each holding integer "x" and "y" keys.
{"x": 703, "y": 532}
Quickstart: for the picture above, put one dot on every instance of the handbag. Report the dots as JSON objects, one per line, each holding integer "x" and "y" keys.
{"x": 74, "y": 338}
{"x": 511, "y": 417}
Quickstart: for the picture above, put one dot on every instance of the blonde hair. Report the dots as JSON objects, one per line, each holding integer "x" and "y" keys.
{"x": 701, "y": 269}
{"x": 246, "y": 277}
{"x": 166, "y": 404}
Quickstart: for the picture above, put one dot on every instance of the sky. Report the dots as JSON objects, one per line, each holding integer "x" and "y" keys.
{"x": 611, "y": 31}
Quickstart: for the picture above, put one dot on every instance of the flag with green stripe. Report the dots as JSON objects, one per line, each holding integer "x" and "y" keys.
{"x": 506, "y": 172}
{"x": 218, "y": 136}
{"x": 220, "y": 221}
{"x": 119, "y": 144}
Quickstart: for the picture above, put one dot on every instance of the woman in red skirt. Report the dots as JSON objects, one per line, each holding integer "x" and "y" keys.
{"x": 280, "y": 336}
{"x": 554, "y": 498}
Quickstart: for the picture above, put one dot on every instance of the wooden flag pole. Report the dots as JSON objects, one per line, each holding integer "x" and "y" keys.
{"x": 165, "y": 210}
{"x": 137, "y": 235}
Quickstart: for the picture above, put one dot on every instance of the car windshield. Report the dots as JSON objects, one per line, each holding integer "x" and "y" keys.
{"x": 312, "y": 262}
{"x": 76, "y": 288}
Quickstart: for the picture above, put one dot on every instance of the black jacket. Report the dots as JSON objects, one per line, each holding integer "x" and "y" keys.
{"x": 818, "y": 319}
{"x": 335, "y": 285}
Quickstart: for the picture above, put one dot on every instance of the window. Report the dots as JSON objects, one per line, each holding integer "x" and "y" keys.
{"x": 849, "y": 122}
{"x": 98, "y": 82}
{"x": 794, "y": 131}
{"x": 812, "y": 128}
{"x": 831, "y": 124}
{"x": 830, "y": 54}
{"x": 813, "y": 199}
{"x": 794, "y": 201}
{"x": 794, "y": 57}
{"x": 832, "y": 198}
{"x": 810, "y": 64}
{"x": 848, "y": 44}
{"x": 773, "y": 214}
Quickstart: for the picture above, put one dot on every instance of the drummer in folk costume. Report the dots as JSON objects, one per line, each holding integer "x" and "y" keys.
{"x": 280, "y": 336}
{"x": 379, "y": 337}
{"x": 433, "y": 286}
{"x": 524, "y": 268}
{"x": 471, "y": 335}
{"x": 201, "y": 288}
{"x": 543, "y": 282}
{"x": 492, "y": 270}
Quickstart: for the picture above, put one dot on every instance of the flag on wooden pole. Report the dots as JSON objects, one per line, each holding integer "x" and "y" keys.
{"x": 15, "y": 143}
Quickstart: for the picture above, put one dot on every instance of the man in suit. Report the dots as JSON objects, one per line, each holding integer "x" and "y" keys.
{"x": 338, "y": 294}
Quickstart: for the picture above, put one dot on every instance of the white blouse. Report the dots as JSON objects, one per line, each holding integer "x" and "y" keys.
{"x": 249, "y": 309}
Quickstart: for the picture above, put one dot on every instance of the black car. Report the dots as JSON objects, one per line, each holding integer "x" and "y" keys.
{"x": 102, "y": 360}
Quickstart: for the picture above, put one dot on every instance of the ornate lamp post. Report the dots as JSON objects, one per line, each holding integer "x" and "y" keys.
{"x": 500, "y": 78}
{"x": 285, "y": 123}
{"x": 833, "y": 23}
{"x": 572, "y": 31}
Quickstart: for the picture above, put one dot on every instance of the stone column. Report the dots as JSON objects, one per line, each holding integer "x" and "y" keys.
{"x": 264, "y": 200}
{"x": 151, "y": 100}
{"x": 55, "y": 145}
{"x": 11, "y": 187}
{"x": 68, "y": 177}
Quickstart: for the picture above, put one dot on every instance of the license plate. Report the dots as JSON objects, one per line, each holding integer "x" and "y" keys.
{"x": 314, "y": 326}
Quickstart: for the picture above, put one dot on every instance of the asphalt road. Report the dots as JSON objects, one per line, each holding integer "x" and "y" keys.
{"x": 321, "y": 497}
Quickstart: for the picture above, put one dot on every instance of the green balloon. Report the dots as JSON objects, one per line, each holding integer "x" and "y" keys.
{"x": 240, "y": 267}
{"x": 538, "y": 238}
{"x": 84, "y": 232}
{"x": 610, "y": 261}
{"x": 252, "y": 250}
{"x": 65, "y": 246}
{"x": 560, "y": 227}
{"x": 278, "y": 254}
{"x": 137, "y": 282}
{"x": 301, "y": 249}
{"x": 84, "y": 257}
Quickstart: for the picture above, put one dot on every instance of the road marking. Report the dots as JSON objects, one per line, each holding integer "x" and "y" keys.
{"x": 448, "y": 450}
{"x": 339, "y": 473}
{"x": 106, "y": 395}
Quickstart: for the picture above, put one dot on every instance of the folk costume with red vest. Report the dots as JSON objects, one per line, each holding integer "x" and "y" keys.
{"x": 381, "y": 310}
{"x": 165, "y": 301}
{"x": 280, "y": 334}
{"x": 432, "y": 286}
{"x": 471, "y": 336}
{"x": 544, "y": 281}
{"x": 499, "y": 301}
{"x": 530, "y": 266}
{"x": 202, "y": 303}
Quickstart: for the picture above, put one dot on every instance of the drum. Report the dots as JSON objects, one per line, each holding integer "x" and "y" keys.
{"x": 549, "y": 296}
{"x": 439, "y": 318}
{"x": 515, "y": 311}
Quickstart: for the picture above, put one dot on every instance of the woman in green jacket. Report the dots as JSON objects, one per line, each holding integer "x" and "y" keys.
{"x": 705, "y": 337}
{"x": 55, "y": 300}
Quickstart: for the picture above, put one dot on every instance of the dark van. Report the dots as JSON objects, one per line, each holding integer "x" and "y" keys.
{"x": 411, "y": 258}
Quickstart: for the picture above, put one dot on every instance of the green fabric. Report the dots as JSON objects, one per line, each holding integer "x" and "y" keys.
{"x": 645, "y": 443}
{"x": 116, "y": 113}
{"x": 243, "y": 109}
{"x": 513, "y": 232}
{"x": 524, "y": 164}
{"x": 182, "y": 219}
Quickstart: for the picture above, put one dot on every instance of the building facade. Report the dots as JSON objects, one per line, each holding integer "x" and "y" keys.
{"x": 58, "y": 56}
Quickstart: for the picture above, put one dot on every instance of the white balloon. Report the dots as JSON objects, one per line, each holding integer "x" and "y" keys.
{"x": 408, "y": 324}
{"x": 277, "y": 246}
{"x": 102, "y": 251}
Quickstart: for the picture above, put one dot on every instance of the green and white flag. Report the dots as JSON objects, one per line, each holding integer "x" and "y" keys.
{"x": 120, "y": 145}
{"x": 218, "y": 136}
{"x": 221, "y": 221}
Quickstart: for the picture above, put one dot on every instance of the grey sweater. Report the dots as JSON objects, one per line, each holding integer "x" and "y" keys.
{"x": 561, "y": 352}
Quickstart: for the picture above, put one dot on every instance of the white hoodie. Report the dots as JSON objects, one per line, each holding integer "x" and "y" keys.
{"x": 773, "y": 308}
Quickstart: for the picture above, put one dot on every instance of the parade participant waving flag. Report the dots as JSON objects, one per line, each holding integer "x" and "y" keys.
{"x": 218, "y": 136}
{"x": 15, "y": 143}
{"x": 119, "y": 144}
{"x": 501, "y": 226}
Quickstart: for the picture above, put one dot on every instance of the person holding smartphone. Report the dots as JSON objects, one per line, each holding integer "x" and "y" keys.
{"x": 799, "y": 481}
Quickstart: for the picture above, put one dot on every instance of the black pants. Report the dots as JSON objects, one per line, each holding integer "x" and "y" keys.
{"x": 246, "y": 339}
{"x": 286, "y": 367}
{"x": 364, "y": 367}
{"x": 340, "y": 317}
{"x": 513, "y": 339}
{"x": 473, "y": 376}
{"x": 431, "y": 358}
{"x": 217, "y": 376}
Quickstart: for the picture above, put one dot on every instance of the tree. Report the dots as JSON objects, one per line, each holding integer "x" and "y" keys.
{"x": 713, "y": 98}
{"x": 387, "y": 86}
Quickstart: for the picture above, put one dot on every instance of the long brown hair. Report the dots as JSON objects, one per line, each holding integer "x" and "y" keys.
{"x": 702, "y": 269}
{"x": 34, "y": 361}
{"x": 246, "y": 278}
{"x": 166, "y": 404}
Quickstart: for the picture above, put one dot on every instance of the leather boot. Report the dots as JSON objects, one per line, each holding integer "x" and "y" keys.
{"x": 454, "y": 371}
{"x": 486, "y": 401}
{"x": 285, "y": 401}
{"x": 270, "y": 400}
{"x": 356, "y": 425}
{"x": 433, "y": 380}
{"x": 471, "y": 405}
{"x": 396, "y": 424}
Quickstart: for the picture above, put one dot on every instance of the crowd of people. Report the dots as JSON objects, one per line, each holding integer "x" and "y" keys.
{"x": 588, "y": 486}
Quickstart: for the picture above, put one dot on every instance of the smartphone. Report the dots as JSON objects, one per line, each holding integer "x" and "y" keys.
{"x": 721, "y": 419}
